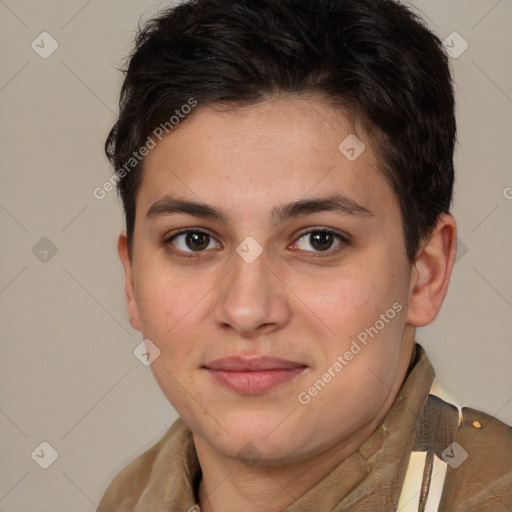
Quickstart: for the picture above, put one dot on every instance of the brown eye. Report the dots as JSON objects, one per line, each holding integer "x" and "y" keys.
{"x": 192, "y": 241}
{"x": 321, "y": 241}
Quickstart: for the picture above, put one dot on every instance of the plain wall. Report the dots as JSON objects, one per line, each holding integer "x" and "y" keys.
{"x": 68, "y": 373}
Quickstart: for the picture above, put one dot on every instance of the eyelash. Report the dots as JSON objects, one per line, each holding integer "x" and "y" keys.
{"x": 342, "y": 238}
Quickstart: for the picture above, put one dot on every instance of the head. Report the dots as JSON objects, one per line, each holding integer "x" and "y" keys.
{"x": 289, "y": 199}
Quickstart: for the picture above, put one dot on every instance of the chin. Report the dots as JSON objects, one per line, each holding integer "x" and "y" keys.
{"x": 236, "y": 433}
{"x": 259, "y": 451}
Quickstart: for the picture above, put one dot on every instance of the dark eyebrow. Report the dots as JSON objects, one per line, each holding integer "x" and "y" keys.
{"x": 339, "y": 203}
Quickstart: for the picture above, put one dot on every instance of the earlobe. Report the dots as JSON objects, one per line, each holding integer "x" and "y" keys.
{"x": 431, "y": 272}
{"x": 131, "y": 301}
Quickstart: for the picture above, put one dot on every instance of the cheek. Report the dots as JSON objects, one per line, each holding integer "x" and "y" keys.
{"x": 354, "y": 296}
{"x": 168, "y": 298}
{"x": 364, "y": 308}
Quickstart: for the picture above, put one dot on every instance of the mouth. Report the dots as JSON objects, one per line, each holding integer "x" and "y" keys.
{"x": 255, "y": 375}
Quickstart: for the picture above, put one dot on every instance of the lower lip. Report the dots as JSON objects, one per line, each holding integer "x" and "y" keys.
{"x": 253, "y": 382}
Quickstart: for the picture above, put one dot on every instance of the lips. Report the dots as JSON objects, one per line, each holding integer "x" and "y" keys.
{"x": 255, "y": 375}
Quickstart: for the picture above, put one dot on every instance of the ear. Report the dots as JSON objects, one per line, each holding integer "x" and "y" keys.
{"x": 131, "y": 301}
{"x": 431, "y": 272}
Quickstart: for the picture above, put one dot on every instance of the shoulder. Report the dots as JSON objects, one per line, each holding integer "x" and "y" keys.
{"x": 482, "y": 477}
{"x": 124, "y": 491}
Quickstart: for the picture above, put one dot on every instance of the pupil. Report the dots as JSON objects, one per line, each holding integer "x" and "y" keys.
{"x": 321, "y": 238}
{"x": 195, "y": 238}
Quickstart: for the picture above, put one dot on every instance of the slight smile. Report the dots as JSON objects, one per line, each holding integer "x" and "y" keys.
{"x": 255, "y": 375}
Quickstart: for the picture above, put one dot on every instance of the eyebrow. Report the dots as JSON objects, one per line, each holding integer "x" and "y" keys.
{"x": 338, "y": 203}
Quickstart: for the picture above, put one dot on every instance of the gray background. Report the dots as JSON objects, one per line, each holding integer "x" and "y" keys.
{"x": 68, "y": 373}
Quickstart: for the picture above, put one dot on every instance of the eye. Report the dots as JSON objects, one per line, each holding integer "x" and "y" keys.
{"x": 321, "y": 240}
{"x": 195, "y": 240}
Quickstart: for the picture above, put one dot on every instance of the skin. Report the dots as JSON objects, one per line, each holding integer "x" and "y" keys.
{"x": 294, "y": 301}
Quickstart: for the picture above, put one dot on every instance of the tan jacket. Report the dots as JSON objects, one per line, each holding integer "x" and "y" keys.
{"x": 423, "y": 457}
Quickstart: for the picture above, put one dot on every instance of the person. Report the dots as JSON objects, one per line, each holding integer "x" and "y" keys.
{"x": 286, "y": 171}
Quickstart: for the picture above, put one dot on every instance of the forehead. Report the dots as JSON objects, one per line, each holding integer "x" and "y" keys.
{"x": 254, "y": 157}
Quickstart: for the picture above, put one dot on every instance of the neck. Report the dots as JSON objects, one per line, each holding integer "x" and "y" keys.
{"x": 229, "y": 485}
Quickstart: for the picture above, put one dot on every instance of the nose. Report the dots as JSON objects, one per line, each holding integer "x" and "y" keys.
{"x": 252, "y": 299}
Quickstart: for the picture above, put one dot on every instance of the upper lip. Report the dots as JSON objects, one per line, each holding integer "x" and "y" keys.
{"x": 252, "y": 364}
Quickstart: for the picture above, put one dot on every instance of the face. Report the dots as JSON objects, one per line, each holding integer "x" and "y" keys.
{"x": 280, "y": 325}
